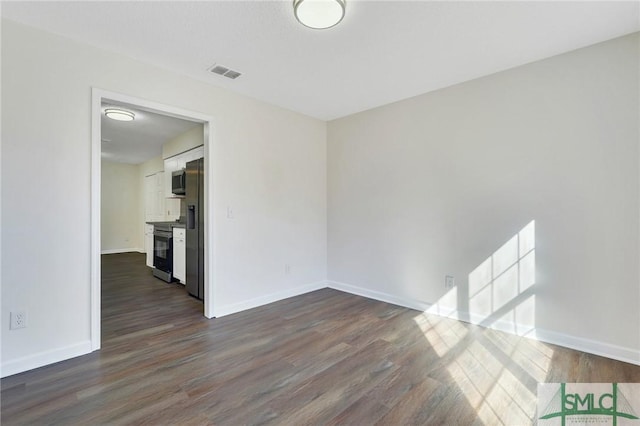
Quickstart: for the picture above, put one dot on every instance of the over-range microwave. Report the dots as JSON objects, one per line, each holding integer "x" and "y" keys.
{"x": 178, "y": 182}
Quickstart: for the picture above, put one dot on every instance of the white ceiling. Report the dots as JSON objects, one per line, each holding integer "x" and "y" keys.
{"x": 383, "y": 51}
{"x": 139, "y": 140}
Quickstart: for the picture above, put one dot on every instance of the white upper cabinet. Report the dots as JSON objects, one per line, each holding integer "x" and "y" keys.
{"x": 179, "y": 162}
{"x": 192, "y": 154}
{"x": 154, "y": 197}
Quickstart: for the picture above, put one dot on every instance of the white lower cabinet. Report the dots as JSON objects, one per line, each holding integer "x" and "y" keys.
{"x": 179, "y": 254}
{"x": 148, "y": 243}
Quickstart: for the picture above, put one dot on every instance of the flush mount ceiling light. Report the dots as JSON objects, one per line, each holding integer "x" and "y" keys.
{"x": 319, "y": 14}
{"x": 119, "y": 114}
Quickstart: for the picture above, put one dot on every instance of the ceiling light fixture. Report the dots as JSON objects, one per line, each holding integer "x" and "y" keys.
{"x": 119, "y": 114}
{"x": 319, "y": 14}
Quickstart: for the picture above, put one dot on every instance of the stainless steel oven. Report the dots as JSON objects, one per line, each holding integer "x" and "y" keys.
{"x": 163, "y": 252}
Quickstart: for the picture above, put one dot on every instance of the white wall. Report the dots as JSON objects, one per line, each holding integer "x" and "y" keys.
{"x": 184, "y": 142}
{"x": 120, "y": 207}
{"x": 150, "y": 167}
{"x": 435, "y": 185}
{"x": 269, "y": 165}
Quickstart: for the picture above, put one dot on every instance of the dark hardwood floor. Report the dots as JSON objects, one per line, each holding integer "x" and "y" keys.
{"x": 321, "y": 358}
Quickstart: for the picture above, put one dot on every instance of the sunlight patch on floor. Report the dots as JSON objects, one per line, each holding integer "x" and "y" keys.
{"x": 495, "y": 371}
{"x": 442, "y": 334}
{"x": 491, "y": 370}
{"x": 496, "y": 394}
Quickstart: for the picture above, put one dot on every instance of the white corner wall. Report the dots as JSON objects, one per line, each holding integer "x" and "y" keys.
{"x": 437, "y": 185}
{"x": 184, "y": 142}
{"x": 269, "y": 166}
{"x": 121, "y": 192}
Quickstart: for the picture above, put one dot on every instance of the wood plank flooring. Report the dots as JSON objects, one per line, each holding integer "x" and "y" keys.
{"x": 321, "y": 358}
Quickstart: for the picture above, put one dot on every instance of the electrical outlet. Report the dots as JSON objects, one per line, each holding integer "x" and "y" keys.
{"x": 287, "y": 269}
{"x": 230, "y": 213}
{"x": 18, "y": 320}
{"x": 449, "y": 282}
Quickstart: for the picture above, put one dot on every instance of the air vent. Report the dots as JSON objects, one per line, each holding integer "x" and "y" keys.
{"x": 219, "y": 70}
{"x": 232, "y": 74}
{"x": 222, "y": 70}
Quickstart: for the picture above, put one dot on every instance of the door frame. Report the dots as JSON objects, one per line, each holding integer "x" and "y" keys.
{"x": 97, "y": 97}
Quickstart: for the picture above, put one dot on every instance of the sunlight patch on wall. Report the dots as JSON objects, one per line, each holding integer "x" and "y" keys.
{"x": 447, "y": 305}
{"x": 520, "y": 319}
{"x": 496, "y": 285}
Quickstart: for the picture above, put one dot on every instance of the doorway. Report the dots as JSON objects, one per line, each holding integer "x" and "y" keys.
{"x": 100, "y": 97}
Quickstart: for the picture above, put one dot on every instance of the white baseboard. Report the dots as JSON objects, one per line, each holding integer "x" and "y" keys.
{"x": 377, "y": 295}
{"x": 269, "y": 298}
{"x": 41, "y": 359}
{"x": 122, "y": 250}
{"x": 607, "y": 350}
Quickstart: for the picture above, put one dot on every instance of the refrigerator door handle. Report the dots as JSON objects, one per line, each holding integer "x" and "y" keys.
{"x": 191, "y": 216}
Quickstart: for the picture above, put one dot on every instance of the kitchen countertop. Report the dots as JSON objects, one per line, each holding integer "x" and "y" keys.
{"x": 173, "y": 224}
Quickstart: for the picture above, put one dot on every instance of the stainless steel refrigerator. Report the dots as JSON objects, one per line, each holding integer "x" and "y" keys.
{"x": 194, "y": 200}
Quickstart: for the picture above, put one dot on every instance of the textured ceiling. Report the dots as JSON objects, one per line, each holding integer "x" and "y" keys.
{"x": 383, "y": 51}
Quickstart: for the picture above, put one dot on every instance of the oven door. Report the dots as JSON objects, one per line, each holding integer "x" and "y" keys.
{"x": 163, "y": 251}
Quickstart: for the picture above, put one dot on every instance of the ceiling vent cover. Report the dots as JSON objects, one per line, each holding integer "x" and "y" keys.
{"x": 232, "y": 74}
{"x": 219, "y": 69}
{"x": 222, "y": 70}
